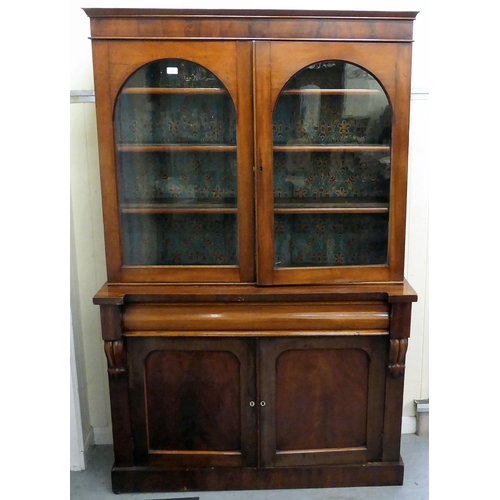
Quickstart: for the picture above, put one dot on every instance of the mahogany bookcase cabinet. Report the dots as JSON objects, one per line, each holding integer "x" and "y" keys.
{"x": 256, "y": 316}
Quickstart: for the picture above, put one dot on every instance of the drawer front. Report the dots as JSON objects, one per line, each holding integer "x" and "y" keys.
{"x": 339, "y": 316}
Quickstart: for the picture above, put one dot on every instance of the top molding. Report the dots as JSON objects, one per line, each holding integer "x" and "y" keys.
{"x": 172, "y": 24}
{"x": 245, "y": 13}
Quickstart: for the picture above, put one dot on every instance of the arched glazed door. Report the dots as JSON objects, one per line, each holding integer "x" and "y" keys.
{"x": 182, "y": 158}
{"x": 325, "y": 166}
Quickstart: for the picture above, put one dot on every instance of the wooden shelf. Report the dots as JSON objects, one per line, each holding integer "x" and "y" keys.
{"x": 174, "y": 90}
{"x": 161, "y": 148}
{"x": 331, "y": 92}
{"x": 340, "y": 148}
{"x": 329, "y": 206}
{"x": 181, "y": 206}
{"x": 281, "y": 206}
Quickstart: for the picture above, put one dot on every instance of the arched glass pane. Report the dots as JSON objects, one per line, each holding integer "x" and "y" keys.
{"x": 175, "y": 133}
{"x": 332, "y": 155}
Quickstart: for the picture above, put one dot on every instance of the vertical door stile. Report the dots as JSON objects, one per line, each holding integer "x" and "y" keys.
{"x": 264, "y": 163}
{"x": 400, "y": 151}
{"x": 248, "y": 390}
{"x": 255, "y": 182}
{"x": 266, "y": 393}
{"x": 104, "y": 100}
{"x": 245, "y": 144}
{"x": 257, "y": 395}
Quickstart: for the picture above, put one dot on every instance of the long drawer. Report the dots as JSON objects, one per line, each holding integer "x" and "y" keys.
{"x": 340, "y": 316}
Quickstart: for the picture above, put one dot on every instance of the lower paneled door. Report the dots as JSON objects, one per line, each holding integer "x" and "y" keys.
{"x": 256, "y": 402}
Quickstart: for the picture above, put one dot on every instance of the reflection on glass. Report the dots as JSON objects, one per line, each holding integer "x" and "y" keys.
{"x": 332, "y": 155}
{"x": 175, "y": 132}
{"x": 174, "y": 73}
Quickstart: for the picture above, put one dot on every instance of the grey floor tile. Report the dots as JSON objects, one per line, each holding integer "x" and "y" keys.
{"x": 94, "y": 482}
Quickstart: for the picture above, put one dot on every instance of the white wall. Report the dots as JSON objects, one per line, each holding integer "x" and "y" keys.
{"x": 88, "y": 245}
{"x": 88, "y": 270}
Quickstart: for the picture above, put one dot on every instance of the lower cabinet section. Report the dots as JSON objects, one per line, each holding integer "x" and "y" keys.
{"x": 255, "y": 394}
{"x": 271, "y": 405}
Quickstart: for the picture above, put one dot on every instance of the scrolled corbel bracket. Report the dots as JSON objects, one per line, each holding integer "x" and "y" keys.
{"x": 116, "y": 356}
{"x": 397, "y": 356}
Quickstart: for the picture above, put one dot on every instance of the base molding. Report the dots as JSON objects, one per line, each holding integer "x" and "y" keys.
{"x": 89, "y": 443}
{"x": 103, "y": 435}
{"x": 151, "y": 479}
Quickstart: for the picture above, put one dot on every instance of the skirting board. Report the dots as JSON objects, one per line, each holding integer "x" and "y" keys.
{"x": 409, "y": 425}
{"x": 103, "y": 435}
{"x": 88, "y": 444}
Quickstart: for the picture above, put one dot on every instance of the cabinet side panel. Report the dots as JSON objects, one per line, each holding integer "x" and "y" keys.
{"x": 398, "y": 345}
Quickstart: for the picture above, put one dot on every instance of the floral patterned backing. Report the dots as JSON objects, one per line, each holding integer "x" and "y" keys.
{"x": 331, "y": 103}
{"x": 169, "y": 176}
{"x": 330, "y": 240}
{"x": 325, "y": 126}
{"x": 322, "y": 118}
{"x": 332, "y": 175}
{"x": 175, "y": 119}
{"x": 179, "y": 239}
{"x": 305, "y": 119}
{"x": 165, "y": 180}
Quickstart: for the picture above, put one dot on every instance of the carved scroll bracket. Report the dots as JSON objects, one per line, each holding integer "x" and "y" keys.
{"x": 397, "y": 355}
{"x": 116, "y": 355}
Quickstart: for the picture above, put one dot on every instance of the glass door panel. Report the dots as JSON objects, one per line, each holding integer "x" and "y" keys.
{"x": 315, "y": 239}
{"x": 175, "y": 132}
{"x": 332, "y": 167}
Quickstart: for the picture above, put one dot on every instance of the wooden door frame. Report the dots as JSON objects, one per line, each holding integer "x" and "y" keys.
{"x": 273, "y": 68}
{"x": 114, "y": 62}
{"x": 270, "y": 349}
{"x": 139, "y": 347}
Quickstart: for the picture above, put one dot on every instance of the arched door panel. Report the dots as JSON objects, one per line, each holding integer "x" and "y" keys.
{"x": 326, "y": 170}
{"x": 181, "y": 209}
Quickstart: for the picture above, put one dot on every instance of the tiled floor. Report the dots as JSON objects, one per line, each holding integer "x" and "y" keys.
{"x": 94, "y": 482}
